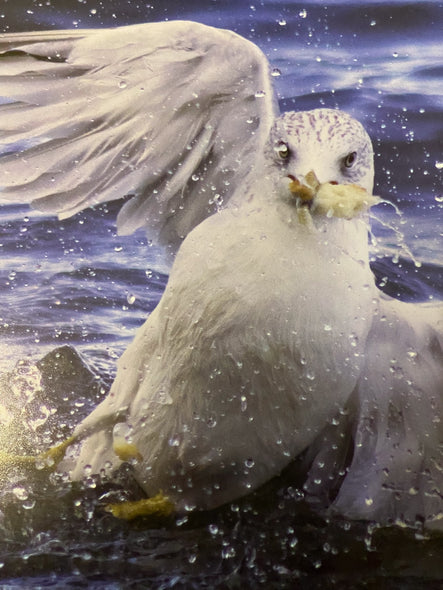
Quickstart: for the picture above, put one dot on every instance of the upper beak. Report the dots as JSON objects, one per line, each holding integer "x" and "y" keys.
{"x": 306, "y": 188}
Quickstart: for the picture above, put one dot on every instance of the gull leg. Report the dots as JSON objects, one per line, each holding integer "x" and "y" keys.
{"x": 48, "y": 459}
{"x": 9, "y": 460}
{"x": 55, "y": 454}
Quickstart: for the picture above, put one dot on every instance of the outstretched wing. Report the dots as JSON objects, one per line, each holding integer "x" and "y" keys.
{"x": 170, "y": 114}
{"x": 393, "y": 434}
{"x": 397, "y": 468}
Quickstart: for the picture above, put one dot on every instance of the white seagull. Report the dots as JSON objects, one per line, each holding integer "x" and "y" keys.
{"x": 271, "y": 340}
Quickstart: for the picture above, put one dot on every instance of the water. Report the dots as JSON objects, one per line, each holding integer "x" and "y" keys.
{"x": 75, "y": 283}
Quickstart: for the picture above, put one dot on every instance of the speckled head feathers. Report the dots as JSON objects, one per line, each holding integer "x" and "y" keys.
{"x": 330, "y": 142}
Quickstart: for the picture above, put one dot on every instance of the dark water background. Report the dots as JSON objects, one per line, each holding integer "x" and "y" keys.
{"x": 76, "y": 283}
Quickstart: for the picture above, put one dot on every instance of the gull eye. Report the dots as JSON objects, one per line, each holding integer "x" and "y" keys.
{"x": 350, "y": 159}
{"x": 282, "y": 150}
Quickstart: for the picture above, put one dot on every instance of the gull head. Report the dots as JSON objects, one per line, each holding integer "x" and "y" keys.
{"x": 310, "y": 150}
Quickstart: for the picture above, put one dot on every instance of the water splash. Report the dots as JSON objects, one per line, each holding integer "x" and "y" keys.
{"x": 401, "y": 247}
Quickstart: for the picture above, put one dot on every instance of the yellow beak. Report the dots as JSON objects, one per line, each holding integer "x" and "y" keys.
{"x": 307, "y": 189}
{"x": 345, "y": 201}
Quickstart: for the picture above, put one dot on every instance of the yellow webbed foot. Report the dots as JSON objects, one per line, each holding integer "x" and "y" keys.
{"x": 158, "y": 506}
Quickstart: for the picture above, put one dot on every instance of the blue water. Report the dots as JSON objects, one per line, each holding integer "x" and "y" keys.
{"x": 77, "y": 283}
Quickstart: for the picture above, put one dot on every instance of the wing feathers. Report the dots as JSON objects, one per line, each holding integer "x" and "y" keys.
{"x": 140, "y": 111}
{"x": 396, "y": 469}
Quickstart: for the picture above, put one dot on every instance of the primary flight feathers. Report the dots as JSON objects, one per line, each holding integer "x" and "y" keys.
{"x": 169, "y": 113}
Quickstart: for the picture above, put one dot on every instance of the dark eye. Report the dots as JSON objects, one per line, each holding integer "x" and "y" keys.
{"x": 282, "y": 150}
{"x": 350, "y": 159}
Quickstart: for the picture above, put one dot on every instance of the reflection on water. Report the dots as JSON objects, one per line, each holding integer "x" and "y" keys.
{"x": 76, "y": 286}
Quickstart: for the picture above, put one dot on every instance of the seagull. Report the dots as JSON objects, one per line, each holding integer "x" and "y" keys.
{"x": 271, "y": 344}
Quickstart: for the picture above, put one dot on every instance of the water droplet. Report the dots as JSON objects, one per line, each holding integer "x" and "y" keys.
{"x": 243, "y": 403}
{"x": 182, "y": 521}
{"x": 217, "y": 200}
{"x": 211, "y": 422}
{"x": 195, "y": 177}
{"x": 310, "y": 375}
{"x": 353, "y": 339}
{"x": 369, "y": 501}
{"x": 249, "y": 463}
{"x": 373, "y": 23}
{"x": 130, "y": 298}
{"x": 276, "y": 73}
{"x": 174, "y": 441}
{"x": 303, "y": 13}
{"x": 260, "y": 94}
{"x": 282, "y": 22}
{"x": 213, "y": 529}
{"x": 40, "y": 463}
{"x": 228, "y": 552}
{"x": 20, "y": 493}
{"x": 122, "y": 84}
{"x": 90, "y": 483}
{"x": 327, "y": 328}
